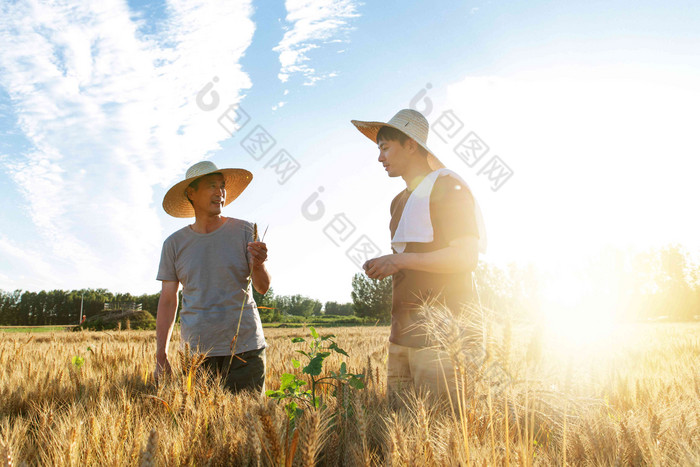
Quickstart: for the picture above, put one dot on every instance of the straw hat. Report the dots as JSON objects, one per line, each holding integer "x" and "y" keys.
{"x": 411, "y": 123}
{"x": 176, "y": 203}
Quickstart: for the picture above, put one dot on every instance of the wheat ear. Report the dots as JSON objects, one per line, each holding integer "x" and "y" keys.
{"x": 312, "y": 436}
{"x": 6, "y": 453}
{"x": 148, "y": 455}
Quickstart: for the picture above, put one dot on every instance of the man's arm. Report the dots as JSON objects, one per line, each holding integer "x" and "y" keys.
{"x": 451, "y": 212}
{"x": 167, "y": 308}
{"x": 259, "y": 275}
{"x": 462, "y": 255}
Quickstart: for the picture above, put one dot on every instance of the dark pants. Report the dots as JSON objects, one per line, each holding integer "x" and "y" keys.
{"x": 243, "y": 371}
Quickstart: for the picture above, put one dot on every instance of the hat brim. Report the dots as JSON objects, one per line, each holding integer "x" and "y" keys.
{"x": 176, "y": 203}
{"x": 370, "y": 130}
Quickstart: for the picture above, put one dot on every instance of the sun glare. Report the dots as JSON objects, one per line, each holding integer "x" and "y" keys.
{"x": 573, "y": 317}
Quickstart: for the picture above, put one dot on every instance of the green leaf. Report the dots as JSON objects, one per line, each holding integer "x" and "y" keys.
{"x": 313, "y": 332}
{"x": 77, "y": 361}
{"x": 343, "y": 368}
{"x": 298, "y": 412}
{"x": 296, "y": 363}
{"x": 300, "y": 383}
{"x": 356, "y": 383}
{"x": 287, "y": 380}
{"x": 298, "y": 339}
{"x": 315, "y": 366}
{"x": 304, "y": 353}
{"x": 291, "y": 410}
{"x": 335, "y": 347}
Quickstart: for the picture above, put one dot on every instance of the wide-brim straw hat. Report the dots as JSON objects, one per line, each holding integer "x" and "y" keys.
{"x": 175, "y": 201}
{"x": 408, "y": 121}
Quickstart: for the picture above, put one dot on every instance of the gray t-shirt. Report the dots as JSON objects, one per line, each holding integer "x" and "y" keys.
{"x": 214, "y": 271}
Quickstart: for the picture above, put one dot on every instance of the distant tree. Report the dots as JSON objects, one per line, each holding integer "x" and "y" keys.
{"x": 56, "y": 310}
{"x": 268, "y": 306}
{"x": 645, "y": 285}
{"x": 9, "y": 302}
{"x": 513, "y": 290}
{"x": 677, "y": 298}
{"x": 318, "y": 306}
{"x": 298, "y": 305}
{"x": 339, "y": 309}
{"x": 27, "y": 309}
{"x": 149, "y": 302}
{"x": 330, "y": 308}
{"x": 3, "y": 307}
{"x": 266, "y": 300}
{"x": 371, "y": 298}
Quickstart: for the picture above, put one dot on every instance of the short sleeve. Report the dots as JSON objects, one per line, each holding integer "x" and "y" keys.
{"x": 452, "y": 210}
{"x": 166, "y": 269}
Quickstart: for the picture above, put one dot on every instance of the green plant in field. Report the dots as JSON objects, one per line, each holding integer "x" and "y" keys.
{"x": 77, "y": 361}
{"x": 292, "y": 388}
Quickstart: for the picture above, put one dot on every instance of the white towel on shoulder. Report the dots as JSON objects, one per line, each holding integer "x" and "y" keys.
{"x": 415, "y": 224}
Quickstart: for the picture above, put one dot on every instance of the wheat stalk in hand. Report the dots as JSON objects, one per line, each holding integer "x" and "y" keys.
{"x": 234, "y": 341}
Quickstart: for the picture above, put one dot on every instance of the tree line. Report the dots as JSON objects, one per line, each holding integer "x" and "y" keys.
{"x": 59, "y": 307}
{"x": 654, "y": 284}
{"x": 62, "y": 307}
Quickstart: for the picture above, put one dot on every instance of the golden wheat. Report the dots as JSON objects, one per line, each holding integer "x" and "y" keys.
{"x": 634, "y": 400}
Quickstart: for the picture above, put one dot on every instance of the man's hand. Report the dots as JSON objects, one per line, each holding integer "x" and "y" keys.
{"x": 167, "y": 309}
{"x": 381, "y": 267}
{"x": 162, "y": 368}
{"x": 258, "y": 272}
{"x": 258, "y": 252}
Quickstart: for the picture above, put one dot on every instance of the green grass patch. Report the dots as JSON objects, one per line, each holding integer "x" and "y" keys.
{"x": 20, "y": 329}
{"x": 324, "y": 320}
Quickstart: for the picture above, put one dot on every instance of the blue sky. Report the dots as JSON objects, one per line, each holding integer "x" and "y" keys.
{"x": 592, "y": 106}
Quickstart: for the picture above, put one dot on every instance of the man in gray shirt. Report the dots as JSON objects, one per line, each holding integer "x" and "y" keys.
{"x": 215, "y": 259}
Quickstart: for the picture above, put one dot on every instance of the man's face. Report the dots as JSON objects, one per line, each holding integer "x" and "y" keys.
{"x": 210, "y": 195}
{"x": 393, "y": 156}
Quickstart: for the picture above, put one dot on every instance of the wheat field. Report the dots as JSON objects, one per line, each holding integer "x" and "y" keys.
{"x": 88, "y": 398}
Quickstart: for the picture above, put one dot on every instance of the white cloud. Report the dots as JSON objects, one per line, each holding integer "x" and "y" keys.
{"x": 111, "y": 113}
{"x": 313, "y": 22}
{"x": 20, "y": 260}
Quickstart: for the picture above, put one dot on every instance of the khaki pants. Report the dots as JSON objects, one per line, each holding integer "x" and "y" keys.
{"x": 424, "y": 369}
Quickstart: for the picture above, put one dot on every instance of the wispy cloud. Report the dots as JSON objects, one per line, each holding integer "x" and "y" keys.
{"x": 42, "y": 270}
{"x": 313, "y": 22}
{"x": 110, "y": 113}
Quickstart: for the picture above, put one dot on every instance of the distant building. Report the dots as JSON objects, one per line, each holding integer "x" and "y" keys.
{"x": 122, "y": 306}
